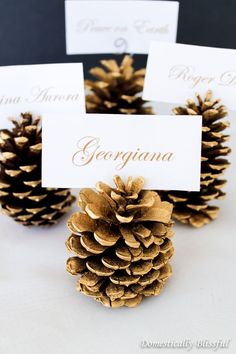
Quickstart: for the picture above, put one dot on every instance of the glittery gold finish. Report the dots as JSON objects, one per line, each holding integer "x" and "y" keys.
{"x": 121, "y": 241}
{"x": 194, "y": 208}
{"x": 116, "y": 89}
{"x": 21, "y": 194}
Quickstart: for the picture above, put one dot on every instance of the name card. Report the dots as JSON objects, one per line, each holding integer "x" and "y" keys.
{"x": 82, "y": 150}
{"x": 118, "y": 26}
{"x": 176, "y": 71}
{"x": 50, "y": 88}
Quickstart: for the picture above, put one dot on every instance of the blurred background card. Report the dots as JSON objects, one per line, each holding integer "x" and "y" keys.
{"x": 118, "y": 26}
{"x": 176, "y": 71}
{"x": 49, "y": 88}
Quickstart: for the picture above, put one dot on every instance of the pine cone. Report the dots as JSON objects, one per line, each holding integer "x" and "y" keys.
{"x": 117, "y": 90}
{"x": 21, "y": 194}
{"x": 193, "y": 207}
{"x": 121, "y": 239}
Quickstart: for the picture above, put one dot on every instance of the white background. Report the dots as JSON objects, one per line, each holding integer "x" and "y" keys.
{"x": 41, "y": 311}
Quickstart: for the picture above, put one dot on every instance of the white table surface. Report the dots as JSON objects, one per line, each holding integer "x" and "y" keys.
{"x": 42, "y": 313}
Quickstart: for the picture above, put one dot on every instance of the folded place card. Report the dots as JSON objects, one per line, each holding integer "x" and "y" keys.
{"x": 118, "y": 26}
{"x": 176, "y": 71}
{"x": 50, "y": 88}
{"x": 82, "y": 150}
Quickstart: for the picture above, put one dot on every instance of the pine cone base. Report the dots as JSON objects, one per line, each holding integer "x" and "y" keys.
{"x": 116, "y": 292}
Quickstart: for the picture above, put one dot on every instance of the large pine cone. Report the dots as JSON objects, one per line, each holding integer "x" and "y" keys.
{"x": 21, "y": 194}
{"x": 117, "y": 89}
{"x": 121, "y": 239}
{"x": 193, "y": 207}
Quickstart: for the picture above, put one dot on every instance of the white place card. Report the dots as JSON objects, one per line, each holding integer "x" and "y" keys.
{"x": 176, "y": 71}
{"x": 165, "y": 150}
{"x": 39, "y": 89}
{"x": 118, "y": 26}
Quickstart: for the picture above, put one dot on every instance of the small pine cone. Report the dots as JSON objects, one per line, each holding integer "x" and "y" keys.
{"x": 121, "y": 241}
{"x": 21, "y": 194}
{"x": 117, "y": 89}
{"x": 193, "y": 207}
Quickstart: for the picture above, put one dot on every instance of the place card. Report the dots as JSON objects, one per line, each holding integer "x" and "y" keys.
{"x": 118, "y": 26}
{"x": 84, "y": 149}
{"x": 176, "y": 71}
{"x": 39, "y": 89}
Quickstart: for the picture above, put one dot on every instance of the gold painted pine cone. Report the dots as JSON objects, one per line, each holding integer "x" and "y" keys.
{"x": 21, "y": 194}
{"x": 195, "y": 208}
{"x": 116, "y": 88}
{"x": 121, "y": 241}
